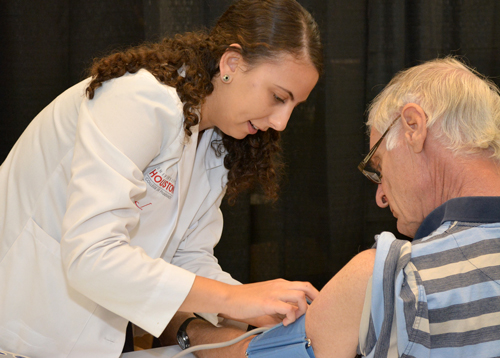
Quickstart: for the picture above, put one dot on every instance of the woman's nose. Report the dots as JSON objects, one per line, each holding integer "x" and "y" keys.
{"x": 380, "y": 197}
{"x": 279, "y": 120}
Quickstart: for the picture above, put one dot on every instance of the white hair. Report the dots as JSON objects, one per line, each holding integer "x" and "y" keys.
{"x": 462, "y": 104}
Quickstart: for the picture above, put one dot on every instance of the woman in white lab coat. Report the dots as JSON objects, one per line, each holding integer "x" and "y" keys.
{"x": 110, "y": 198}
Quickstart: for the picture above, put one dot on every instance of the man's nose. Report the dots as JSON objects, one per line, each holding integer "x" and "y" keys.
{"x": 380, "y": 197}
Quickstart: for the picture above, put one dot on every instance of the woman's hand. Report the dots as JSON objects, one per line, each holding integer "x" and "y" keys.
{"x": 279, "y": 297}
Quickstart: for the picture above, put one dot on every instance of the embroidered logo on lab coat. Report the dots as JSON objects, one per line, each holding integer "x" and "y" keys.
{"x": 162, "y": 181}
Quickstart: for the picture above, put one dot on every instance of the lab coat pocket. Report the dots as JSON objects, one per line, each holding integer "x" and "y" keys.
{"x": 40, "y": 312}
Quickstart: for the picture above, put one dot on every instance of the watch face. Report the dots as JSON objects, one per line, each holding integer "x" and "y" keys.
{"x": 183, "y": 341}
{"x": 182, "y": 337}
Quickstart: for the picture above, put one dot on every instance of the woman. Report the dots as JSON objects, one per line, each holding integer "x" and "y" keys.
{"x": 112, "y": 194}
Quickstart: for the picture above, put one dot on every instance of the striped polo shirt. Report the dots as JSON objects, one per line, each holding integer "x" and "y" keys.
{"x": 439, "y": 295}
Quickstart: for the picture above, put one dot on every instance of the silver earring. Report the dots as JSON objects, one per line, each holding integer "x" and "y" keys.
{"x": 225, "y": 78}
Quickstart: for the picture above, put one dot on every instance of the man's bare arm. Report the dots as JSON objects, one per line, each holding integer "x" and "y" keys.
{"x": 332, "y": 320}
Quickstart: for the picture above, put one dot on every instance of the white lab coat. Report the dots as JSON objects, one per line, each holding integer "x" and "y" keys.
{"x": 107, "y": 213}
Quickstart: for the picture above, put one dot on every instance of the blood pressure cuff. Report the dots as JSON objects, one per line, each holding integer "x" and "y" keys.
{"x": 282, "y": 342}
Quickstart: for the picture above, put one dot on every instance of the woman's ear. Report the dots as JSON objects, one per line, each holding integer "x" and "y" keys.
{"x": 229, "y": 63}
{"x": 414, "y": 126}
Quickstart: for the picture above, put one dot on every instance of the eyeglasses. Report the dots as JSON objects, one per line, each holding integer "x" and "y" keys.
{"x": 372, "y": 174}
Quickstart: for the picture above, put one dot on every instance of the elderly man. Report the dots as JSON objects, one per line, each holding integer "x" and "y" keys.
{"x": 435, "y": 139}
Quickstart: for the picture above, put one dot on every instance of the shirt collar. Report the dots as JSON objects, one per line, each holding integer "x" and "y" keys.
{"x": 477, "y": 209}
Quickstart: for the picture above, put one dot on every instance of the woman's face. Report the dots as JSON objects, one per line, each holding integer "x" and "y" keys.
{"x": 257, "y": 98}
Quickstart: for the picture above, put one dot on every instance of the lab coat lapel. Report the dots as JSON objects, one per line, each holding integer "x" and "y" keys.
{"x": 196, "y": 186}
{"x": 201, "y": 182}
{"x": 185, "y": 169}
{"x": 199, "y": 186}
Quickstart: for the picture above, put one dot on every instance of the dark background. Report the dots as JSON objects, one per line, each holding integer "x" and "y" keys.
{"x": 326, "y": 213}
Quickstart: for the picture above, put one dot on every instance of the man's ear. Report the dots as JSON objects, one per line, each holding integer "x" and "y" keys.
{"x": 414, "y": 126}
{"x": 230, "y": 61}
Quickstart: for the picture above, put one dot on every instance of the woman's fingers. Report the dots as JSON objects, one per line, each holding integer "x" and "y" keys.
{"x": 294, "y": 303}
{"x": 290, "y": 317}
{"x": 298, "y": 293}
{"x": 281, "y": 297}
{"x": 310, "y": 291}
{"x": 287, "y": 311}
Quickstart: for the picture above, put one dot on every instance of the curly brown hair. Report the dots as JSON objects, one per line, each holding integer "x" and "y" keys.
{"x": 265, "y": 29}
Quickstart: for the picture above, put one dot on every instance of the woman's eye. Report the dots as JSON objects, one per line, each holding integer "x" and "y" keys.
{"x": 279, "y": 99}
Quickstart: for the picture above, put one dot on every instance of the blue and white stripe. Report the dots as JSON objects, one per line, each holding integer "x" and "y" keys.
{"x": 438, "y": 296}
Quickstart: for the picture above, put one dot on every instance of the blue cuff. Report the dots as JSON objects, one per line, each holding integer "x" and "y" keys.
{"x": 282, "y": 342}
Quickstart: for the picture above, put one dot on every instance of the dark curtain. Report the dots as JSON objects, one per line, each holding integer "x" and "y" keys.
{"x": 326, "y": 213}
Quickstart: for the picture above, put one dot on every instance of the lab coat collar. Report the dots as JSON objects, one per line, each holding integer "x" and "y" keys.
{"x": 212, "y": 159}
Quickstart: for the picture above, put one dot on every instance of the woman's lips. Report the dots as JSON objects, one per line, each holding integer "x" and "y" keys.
{"x": 251, "y": 128}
